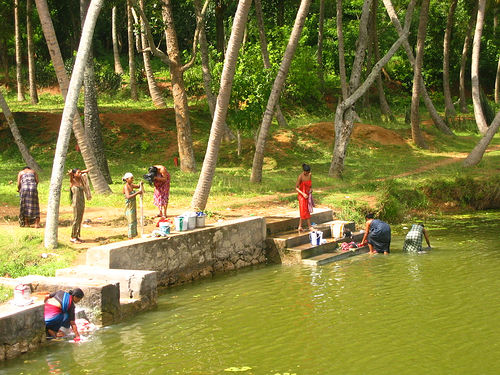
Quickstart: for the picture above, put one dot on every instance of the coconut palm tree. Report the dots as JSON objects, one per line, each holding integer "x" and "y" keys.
{"x": 70, "y": 109}
{"x": 114, "y": 37}
{"x": 31, "y": 54}
{"x": 17, "y": 32}
{"x": 25, "y": 153}
{"x": 448, "y": 102}
{"x": 98, "y": 180}
{"x": 477, "y": 152}
{"x": 476, "y": 48}
{"x": 202, "y": 191}
{"x": 256, "y": 175}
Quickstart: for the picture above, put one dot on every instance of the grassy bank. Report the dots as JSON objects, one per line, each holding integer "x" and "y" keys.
{"x": 384, "y": 172}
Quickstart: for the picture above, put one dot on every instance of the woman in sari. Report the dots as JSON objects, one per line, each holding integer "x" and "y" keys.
{"x": 79, "y": 189}
{"x": 60, "y": 312}
{"x": 161, "y": 183}
{"x": 130, "y": 203}
{"x": 303, "y": 188}
{"x": 27, "y": 186}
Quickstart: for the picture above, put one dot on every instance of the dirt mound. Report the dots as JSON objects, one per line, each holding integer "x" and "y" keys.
{"x": 363, "y": 133}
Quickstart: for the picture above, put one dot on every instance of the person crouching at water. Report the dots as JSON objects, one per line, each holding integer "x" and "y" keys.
{"x": 130, "y": 203}
{"x": 378, "y": 235}
{"x": 78, "y": 187}
{"x": 413, "y": 240}
{"x": 303, "y": 188}
{"x": 59, "y": 311}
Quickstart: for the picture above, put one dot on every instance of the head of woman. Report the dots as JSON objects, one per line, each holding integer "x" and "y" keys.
{"x": 128, "y": 177}
{"x": 306, "y": 168}
{"x": 77, "y": 294}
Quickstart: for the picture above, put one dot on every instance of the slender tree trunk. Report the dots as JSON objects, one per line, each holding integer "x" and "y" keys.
{"x": 227, "y": 136}
{"x": 98, "y": 180}
{"x": 69, "y": 112}
{"x": 344, "y": 115}
{"x": 154, "y": 90}
{"x": 25, "y": 153}
{"x": 321, "y": 23}
{"x": 182, "y": 121}
{"x": 137, "y": 39}
{"x": 463, "y": 59}
{"x": 131, "y": 55}
{"x": 31, "y": 54}
{"x": 116, "y": 53}
{"x": 497, "y": 84}
{"x": 416, "y": 133}
{"x": 204, "y": 185}
{"x": 93, "y": 127}
{"x": 384, "y": 106}
{"x": 476, "y": 48}
{"x": 220, "y": 38}
{"x": 448, "y": 102}
{"x": 438, "y": 121}
{"x": 19, "y": 64}
{"x": 258, "y": 158}
{"x": 369, "y": 51}
{"x": 477, "y": 153}
{"x": 280, "y": 14}
{"x": 265, "y": 56}
{"x": 340, "y": 36}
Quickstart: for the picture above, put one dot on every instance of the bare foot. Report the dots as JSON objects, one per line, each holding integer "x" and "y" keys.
{"x": 300, "y": 229}
{"x": 75, "y": 240}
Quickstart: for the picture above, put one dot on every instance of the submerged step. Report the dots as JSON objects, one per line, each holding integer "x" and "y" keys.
{"x": 322, "y": 259}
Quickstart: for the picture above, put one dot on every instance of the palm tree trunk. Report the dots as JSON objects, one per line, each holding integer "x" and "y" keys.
{"x": 25, "y": 153}
{"x": 116, "y": 53}
{"x": 463, "y": 59}
{"x": 98, "y": 180}
{"x": 69, "y": 112}
{"x": 220, "y": 38}
{"x": 19, "y": 74}
{"x": 93, "y": 127}
{"x": 340, "y": 37}
{"x": 497, "y": 84}
{"x": 182, "y": 121}
{"x": 438, "y": 121}
{"x": 256, "y": 175}
{"x": 154, "y": 90}
{"x": 228, "y": 135}
{"x": 265, "y": 57}
{"x": 131, "y": 57}
{"x": 321, "y": 23}
{"x": 476, "y": 154}
{"x": 476, "y": 48}
{"x": 31, "y": 54}
{"x": 204, "y": 185}
{"x": 416, "y": 133}
{"x": 448, "y": 102}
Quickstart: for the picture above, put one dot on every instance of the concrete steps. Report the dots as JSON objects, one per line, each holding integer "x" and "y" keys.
{"x": 285, "y": 245}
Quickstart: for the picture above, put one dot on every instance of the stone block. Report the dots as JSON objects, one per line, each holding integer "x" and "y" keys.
{"x": 135, "y": 284}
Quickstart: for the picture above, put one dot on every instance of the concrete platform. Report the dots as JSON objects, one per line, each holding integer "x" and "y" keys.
{"x": 326, "y": 258}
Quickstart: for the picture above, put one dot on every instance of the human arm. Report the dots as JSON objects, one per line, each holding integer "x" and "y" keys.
{"x": 426, "y": 236}
{"x": 367, "y": 230}
{"x": 19, "y": 180}
{"x": 75, "y": 330}
{"x": 297, "y": 187}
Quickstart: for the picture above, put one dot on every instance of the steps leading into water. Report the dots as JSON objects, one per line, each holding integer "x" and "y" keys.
{"x": 287, "y": 246}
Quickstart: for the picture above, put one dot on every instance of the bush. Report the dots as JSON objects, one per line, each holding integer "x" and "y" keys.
{"x": 45, "y": 74}
{"x": 105, "y": 78}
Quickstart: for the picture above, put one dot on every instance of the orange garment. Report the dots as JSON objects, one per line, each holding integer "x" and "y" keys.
{"x": 305, "y": 187}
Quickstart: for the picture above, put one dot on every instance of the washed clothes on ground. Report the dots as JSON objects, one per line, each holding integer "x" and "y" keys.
{"x": 380, "y": 236}
{"x": 413, "y": 240}
{"x": 57, "y": 317}
{"x": 29, "y": 207}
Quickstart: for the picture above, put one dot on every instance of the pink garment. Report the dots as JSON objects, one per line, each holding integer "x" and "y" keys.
{"x": 162, "y": 192}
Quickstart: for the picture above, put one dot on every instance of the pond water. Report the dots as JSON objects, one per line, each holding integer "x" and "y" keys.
{"x": 434, "y": 313}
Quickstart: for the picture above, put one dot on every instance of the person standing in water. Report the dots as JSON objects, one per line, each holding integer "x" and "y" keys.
{"x": 303, "y": 188}
{"x": 378, "y": 235}
{"x": 413, "y": 240}
{"x": 130, "y": 203}
{"x": 79, "y": 188}
{"x": 29, "y": 208}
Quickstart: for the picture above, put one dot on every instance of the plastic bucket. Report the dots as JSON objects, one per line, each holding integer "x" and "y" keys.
{"x": 200, "y": 221}
{"x": 316, "y": 237}
{"x": 22, "y": 295}
{"x": 164, "y": 228}
{"x": 191, "y": 220}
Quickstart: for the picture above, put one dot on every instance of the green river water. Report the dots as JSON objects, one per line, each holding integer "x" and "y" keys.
{"x": 435, "y": 313}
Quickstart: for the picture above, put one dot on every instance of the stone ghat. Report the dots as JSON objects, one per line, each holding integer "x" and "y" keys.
{"x": 122, "y": 278}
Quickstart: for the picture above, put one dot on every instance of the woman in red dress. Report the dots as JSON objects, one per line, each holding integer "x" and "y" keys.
{"x": 162, "y": 189}
{"x": 303, "y": 187}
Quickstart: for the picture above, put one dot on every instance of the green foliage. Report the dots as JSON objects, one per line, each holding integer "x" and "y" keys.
{"x": 45, "y": 74}
{"x": 105, "y": 78}
{"x": 5, "y": 294}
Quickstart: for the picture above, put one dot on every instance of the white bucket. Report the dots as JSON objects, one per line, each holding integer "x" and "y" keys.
{"x": 337, "y": 230}
{"x": 22, "y": 295}
{"x": 180, "y": 223}
{"x": 191, "y": 221}
{"x": 164, "y": 228}
{"x": 316, "y": 237}
{"x": 200, "y": 221}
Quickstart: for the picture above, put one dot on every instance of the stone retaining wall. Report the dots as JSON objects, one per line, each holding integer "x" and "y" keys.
{"x": 188, "y": 255}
